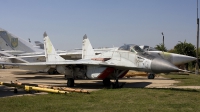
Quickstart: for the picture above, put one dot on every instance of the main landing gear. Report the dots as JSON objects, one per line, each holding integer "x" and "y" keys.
{"x": 2, "y": 66}
{"x": 112, "y": 85}
{"x": 115, "y": 84}
{"x": 70, "y": 82}
{"x": 52, "y": 71}
{"x": 106, "y": 82}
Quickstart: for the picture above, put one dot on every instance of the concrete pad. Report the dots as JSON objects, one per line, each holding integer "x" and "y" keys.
{"x": 24, "y": 76}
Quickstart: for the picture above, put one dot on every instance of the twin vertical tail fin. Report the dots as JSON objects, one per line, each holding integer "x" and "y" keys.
{"x": 87, "y": 50}
{"x": 50, "y": 52}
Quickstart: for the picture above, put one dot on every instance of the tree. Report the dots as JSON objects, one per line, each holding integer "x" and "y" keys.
{"x": 161, "y": 47}
{"x": 172, "y": 51}
{"x": 185, "y": 48}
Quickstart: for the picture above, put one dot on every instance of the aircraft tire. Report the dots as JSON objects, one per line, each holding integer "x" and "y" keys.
{"x": 15, "y": 90}
{"x": 70, "y": 82}
{"x": 3, "y": 67}
{"x": 106, "y": 82}
{"x": 50, "y": 72}
{"x": 112, "y": 86}
{"x": 55, "y": 71}
{"x": 151, "y": 76}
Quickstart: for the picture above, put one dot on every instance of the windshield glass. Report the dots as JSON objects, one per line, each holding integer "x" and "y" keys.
{"x": 124, "y": 47}
{"x": 131, "y": 47}
{"x": 137, "y": 48}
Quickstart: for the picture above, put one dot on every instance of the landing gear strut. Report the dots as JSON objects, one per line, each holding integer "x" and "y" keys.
{"x": 116, "y": 83}
{"x": 108, "y": 83}
{"x": 2, "y": 66}
{"x": 70, "y": 82}
{"x": 151, "y": 76}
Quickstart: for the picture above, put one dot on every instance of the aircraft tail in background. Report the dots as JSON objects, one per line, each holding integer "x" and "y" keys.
{"x": 50, "y": 52}
{"x": 87, "y": 49}
{"x": 11, "y": 42}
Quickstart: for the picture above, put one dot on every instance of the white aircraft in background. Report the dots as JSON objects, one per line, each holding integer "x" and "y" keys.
{"x": 108, "y": 65}
{"x": 176, "y": 59}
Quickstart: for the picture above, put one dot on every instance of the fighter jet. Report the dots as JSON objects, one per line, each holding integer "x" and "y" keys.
{"x": 108, "y": 65}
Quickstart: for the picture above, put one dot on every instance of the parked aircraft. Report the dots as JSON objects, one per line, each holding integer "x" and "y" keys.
{"x": 176, "y": 59}
{"x": 108, "y": 65}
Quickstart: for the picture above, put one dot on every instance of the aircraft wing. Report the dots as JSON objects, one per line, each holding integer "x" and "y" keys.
{"x": 28, "y": 56}
{"x": 76, "y": 62}
{"x": 15, "y": 59}
{"x": 76, "y": 55}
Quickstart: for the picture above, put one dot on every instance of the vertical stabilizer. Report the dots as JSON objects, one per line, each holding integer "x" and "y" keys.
{"x": 87, "y": 50}
{"x": 50, "y": 52}
{"x": 11, "y": 42}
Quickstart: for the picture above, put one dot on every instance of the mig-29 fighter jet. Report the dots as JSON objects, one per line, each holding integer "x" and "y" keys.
{"x": 108, "y": 65}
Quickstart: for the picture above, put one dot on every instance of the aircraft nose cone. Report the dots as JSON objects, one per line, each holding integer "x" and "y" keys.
{"x": 159, "y": 65}
{"x": 181, "y": 59}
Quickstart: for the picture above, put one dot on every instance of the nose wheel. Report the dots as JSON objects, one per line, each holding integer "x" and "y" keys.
{"x": 151, "y": 76}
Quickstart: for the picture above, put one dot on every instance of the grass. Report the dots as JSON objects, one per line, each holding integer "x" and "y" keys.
{"x": 106, "y": 100}
{"x": 119, "y": 100}
{"x": 185, "y": 80}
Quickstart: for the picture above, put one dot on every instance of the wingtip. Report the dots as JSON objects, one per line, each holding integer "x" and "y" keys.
{"x": 45, "y": 34}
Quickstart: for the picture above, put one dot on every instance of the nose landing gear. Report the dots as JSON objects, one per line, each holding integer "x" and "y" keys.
{"x": 151, "y": 76}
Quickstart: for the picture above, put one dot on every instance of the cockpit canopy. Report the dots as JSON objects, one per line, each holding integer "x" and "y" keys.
{"x": 131, "y": 47}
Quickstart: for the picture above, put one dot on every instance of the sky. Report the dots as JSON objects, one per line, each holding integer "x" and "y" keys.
{"x": 106, "y": 23}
